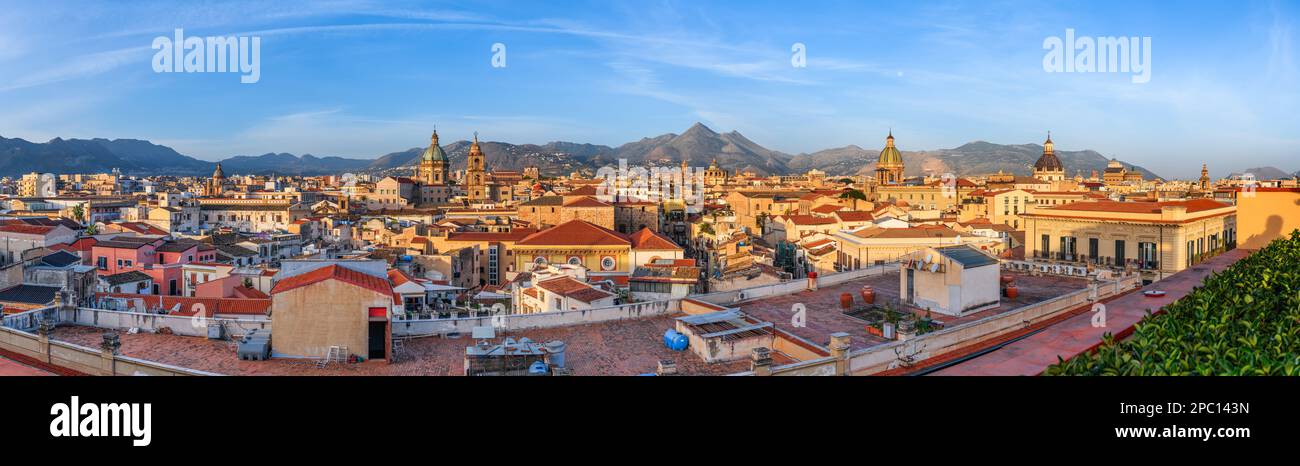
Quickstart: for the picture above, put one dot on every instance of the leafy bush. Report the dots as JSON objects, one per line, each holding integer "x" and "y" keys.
{"x": 1243, "y": 321}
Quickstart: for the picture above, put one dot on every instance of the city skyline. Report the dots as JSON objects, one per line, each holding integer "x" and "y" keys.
{"x": 358, "y": 80}
{"x": 1024, "y": 213}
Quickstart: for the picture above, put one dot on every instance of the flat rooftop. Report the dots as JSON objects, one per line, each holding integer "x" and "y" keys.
{"x": 624, "y": 347}
{"x": 825, "y": 316}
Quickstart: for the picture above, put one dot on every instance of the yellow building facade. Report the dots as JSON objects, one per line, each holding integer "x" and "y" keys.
{"x": 1266, "y": 214}
{"x": 1155, "y": 238}
{"x": 600, "y": 250}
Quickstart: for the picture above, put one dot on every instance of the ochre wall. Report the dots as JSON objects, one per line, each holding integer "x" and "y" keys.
{"x": 1266, "y": 215}
{"x": 310, "y": 319}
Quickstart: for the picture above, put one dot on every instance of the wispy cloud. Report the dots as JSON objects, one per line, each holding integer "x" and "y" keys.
{"x": 1281, "y": 47}
{"x": 80, "y": 67}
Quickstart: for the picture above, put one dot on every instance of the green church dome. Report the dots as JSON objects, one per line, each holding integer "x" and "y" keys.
{"x": 890, "y": 156}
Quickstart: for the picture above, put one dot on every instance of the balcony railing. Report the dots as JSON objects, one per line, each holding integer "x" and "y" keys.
{"x": 1102, "y": 261}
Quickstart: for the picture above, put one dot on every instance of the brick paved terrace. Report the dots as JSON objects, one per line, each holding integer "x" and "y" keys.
{"x": 627, "y": 347}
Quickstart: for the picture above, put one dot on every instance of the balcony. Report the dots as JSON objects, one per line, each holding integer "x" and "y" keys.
{"x": 1100, "y": 261}
{"x": 1059, "y": 257}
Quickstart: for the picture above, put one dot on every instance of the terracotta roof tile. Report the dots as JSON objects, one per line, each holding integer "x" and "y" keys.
{"x": 810, "y": 220}
{"x": 336, "y": 272}
{"x": 1195, "y": 205}
{"x": 854, "y": 216}
{"x": 246, "y": 292}
{"x": 188, "y": 306}
{"x": 575, "y": 233}
{"x": 27, "y": 229}
{"x": 583, "y": 202}
{"x": 572, "y": 288}
{"x": 648, "y": 239}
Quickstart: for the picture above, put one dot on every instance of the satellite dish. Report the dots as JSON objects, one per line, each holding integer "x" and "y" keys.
{"x": 934, "y": 268}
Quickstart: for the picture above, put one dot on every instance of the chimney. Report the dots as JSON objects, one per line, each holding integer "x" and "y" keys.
{"x": 111, "y": 343}
{"x": 666, "y": 367}
{"x": 840, "y": 344}
{"x": 761, "y": 361}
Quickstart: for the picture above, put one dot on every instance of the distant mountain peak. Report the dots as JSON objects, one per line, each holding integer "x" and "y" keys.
{"x": 1263, "y": 173}
{"x": 698, "y": 129}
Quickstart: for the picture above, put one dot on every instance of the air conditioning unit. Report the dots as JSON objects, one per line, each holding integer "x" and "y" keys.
{"x": 216, "y": 331}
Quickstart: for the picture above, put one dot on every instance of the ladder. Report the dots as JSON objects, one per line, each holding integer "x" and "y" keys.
{"x": 337, "y": 354}
{"x": 399, "y": 347}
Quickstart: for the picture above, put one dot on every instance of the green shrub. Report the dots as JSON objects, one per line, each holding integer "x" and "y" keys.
{"x": 1243, "y": 321}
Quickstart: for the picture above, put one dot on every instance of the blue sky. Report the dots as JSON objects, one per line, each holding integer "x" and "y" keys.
{"x": 361, "y": 78}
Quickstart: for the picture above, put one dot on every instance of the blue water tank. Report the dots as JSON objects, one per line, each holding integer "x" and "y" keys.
{"x": 405, "y": 258}
{"x": 556, "y": 349}
{"x": 537, "y": 367}
{"x": 675, "y": 341}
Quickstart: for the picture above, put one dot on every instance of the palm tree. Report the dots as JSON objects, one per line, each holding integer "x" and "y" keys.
{"x": 79, "y": 212}
{"x": 855, "y": 195}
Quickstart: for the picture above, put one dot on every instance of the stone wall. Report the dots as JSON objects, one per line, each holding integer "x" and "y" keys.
{"x": 68, "y": 358}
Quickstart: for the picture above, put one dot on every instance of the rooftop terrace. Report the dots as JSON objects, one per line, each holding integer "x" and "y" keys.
{"x": 1076, "y": 335}
{"x": 824, "y": 315}
{"x": 626, "y": 347}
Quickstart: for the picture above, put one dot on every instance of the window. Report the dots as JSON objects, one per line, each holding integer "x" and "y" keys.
{"x": 1119, "y": 252}
{"x": 1147, "y": 255}
{"x": 651, "y": 287}
{"x": 1067, "y": 248}
{"x": 101, "y": 262}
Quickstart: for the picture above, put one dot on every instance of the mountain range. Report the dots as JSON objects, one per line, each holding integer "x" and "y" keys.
{"x": 698, "y": 146}
{"x": 1265, "y": 173}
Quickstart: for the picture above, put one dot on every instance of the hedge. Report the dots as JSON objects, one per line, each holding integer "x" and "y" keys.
{"x": 1242, "y": 321}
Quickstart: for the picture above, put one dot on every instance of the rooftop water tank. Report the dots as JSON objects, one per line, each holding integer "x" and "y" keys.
{"x": 537, "y": 367}
{"x": 556, "y": 348}
{"x": 675, "y": 341}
